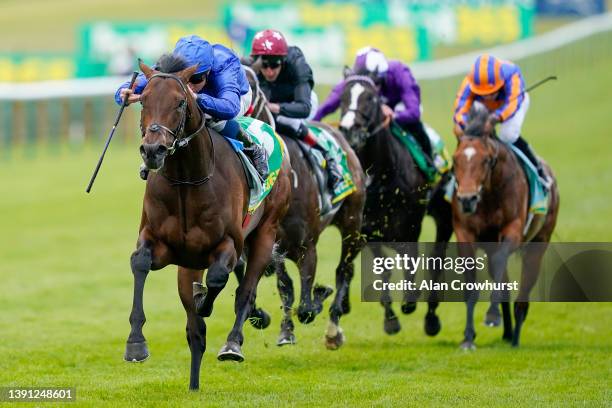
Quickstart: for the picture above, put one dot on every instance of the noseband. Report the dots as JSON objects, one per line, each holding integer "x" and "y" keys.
{"x": 176, "y": 133}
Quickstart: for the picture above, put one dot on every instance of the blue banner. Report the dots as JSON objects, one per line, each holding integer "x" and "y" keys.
{"x": 570, "y": 7}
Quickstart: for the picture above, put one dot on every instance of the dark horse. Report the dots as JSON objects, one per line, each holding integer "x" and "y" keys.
{"x": 490, "y": 204}
{"x": 397, "y": 192}
{"x": 300, "y": 230}
{"x": 193, "y": 212}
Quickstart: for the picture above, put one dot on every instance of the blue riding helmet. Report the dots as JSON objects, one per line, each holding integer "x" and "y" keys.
{"x": 195, "y": 50}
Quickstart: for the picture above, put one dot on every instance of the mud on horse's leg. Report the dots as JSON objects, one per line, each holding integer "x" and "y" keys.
{"x": 352, "y": 242}
{"x": 285, "y": 290}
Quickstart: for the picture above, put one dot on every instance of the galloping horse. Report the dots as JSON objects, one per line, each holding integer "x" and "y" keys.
{"x": 193, "y": 211}
{"x": 396, "y": 201}
{"x": 490, "y": 204}
{"x": 301, "y": 228}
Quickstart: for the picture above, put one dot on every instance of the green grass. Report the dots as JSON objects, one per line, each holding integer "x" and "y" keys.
{"x": 66, "y": 287}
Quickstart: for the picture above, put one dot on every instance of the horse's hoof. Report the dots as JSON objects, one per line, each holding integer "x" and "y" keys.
{"x": 136, "y": 352}
{"x": 492, "y": 320}
{"x": 408, "y": 307}
{"x": 259, "y": 319}
{"x": 305, "y": 315}
{"x": 285, "y": 338}
{"x": 432, "y": 324}
{"x": 230, "y": 352}
{"x": 468, "y": 345}
{"x": 392, "y": 325}
{"x": 335, "y": 342}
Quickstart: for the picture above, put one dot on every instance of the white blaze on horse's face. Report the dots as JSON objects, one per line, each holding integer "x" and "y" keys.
{"x": 348, "y": 120}
{"x": 469, "y": 152}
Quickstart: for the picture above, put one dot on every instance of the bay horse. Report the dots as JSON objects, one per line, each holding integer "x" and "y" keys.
{"x": 300, "y": 230}
{"x": 490, "y": 204}
{"x": 397, "y": 191}
{"x": 195, "y": 202}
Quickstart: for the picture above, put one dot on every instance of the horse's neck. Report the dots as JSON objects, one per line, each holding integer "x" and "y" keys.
{"x": 505, "y": 170}
{"x": 381, "y": 154}
{"x": 260, "y": 108}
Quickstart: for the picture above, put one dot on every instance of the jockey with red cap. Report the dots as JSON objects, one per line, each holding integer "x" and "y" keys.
{"x": 500, "y": 86}
{"x": 220, "y": 88}
{"x": 399, "y": 92}
{"x": 287, "y": 81}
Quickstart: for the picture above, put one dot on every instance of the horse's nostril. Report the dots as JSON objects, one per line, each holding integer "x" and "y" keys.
{"x": 142, "y": 150}
{"x": 161, "y": 149}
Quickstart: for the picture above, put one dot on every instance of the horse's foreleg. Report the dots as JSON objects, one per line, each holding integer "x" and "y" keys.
{"x": 285, "y": 290}
{"x": 532, "y": 259}
{"x": 146, "y": 255}
{"x": 467, "y": 250}
{"x": 223, "y": 260}
{"x": 441, "y": 211}
{"x": 307, "y": 266}
{"x": 260, "y": 253}
{"x": 196, "y": 328}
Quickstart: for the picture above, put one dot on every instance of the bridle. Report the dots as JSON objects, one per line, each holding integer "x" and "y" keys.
{"x": 369, "y": 120}
{"x": 178, "y": 133}
{"x": 491, "y": 164}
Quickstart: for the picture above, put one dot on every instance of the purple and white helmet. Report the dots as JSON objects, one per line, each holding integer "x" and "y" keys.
{"x": 372, "y": 62}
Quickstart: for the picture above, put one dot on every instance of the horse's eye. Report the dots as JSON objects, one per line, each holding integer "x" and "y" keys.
{"x": 181, "y": 105}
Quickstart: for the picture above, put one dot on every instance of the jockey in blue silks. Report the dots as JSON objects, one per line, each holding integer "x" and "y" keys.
{"x": 220, "y": 87}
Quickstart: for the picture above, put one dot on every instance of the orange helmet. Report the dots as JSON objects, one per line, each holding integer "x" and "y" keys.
{"x": 486, "y": 77}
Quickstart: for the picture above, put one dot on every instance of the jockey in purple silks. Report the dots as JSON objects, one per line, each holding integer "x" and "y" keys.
{"x": 397, "y": 87}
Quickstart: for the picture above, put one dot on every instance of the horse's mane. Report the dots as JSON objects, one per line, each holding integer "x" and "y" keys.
{"x": 170, "y": 63}
{"x": 477, "y": 120}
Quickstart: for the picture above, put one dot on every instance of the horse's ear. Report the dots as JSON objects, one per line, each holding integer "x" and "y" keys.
{"x": 186, "y": 74}
{"x": 347, "y": 72}
{"x": 146, "y": 70}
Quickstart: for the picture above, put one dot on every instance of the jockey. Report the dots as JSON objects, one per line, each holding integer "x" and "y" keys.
{"x": 286, "y": 79}
{"x": 500, "y": 86}
{"x": 399, "y": 91}
{"x": 220, "y": 88}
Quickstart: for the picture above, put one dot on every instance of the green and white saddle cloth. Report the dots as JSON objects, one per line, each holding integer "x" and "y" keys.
{"x": 329, "y": 143}
{"x": 262, "y": 134}
{"x": 441, "y": 159}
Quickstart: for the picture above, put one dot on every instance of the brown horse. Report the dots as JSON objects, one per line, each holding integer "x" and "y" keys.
{"x": 398, "y": 195}
{"x": 300, "y": 231}
{"x": 193, "y": 212}
{"x": 490, "y": 204}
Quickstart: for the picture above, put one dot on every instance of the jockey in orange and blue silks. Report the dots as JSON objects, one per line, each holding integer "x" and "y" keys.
{"x": 500, "y": 86}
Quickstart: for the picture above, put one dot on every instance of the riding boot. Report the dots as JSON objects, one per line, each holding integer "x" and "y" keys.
{"x": 334, "y": 173}
{"x": 420, "y": 134}
{"x": 524, "y": 147}
{"x": 257, "y": 153}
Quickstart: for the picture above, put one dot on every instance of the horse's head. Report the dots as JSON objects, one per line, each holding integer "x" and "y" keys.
{"x": 360, "y": 109}
{"x": 164, "y": 113}
{"x": 474, "y": 159}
